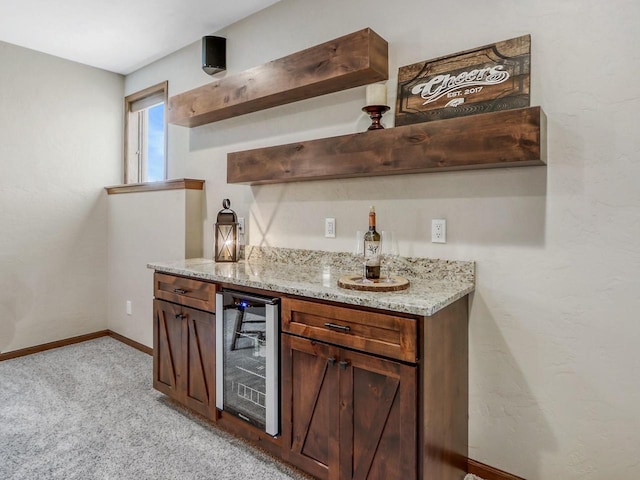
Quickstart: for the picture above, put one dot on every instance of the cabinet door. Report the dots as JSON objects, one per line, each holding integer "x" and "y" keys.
{"x": 378, "y": 419}
{"x": 348, "y": 415}
{"x": 309, "y": 406}
{"x": 199, "y": 382}
{"x": 167, "y": 348}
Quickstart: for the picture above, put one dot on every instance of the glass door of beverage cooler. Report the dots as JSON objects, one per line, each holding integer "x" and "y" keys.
{"x": 247, "y": 358}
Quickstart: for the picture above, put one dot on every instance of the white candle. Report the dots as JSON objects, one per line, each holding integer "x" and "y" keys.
{"x": 376, "y": 94}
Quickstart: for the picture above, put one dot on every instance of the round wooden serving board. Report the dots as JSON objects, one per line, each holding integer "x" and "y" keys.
{"x": 354, "y": 282}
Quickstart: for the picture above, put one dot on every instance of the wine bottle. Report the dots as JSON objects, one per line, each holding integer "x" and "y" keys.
{"x": 372, "y": 248}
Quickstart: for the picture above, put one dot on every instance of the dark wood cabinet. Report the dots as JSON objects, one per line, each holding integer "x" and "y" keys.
{"x": 346, "y": 414}
{"x": 184, "y": 351}
{"x": 365, "y": 393}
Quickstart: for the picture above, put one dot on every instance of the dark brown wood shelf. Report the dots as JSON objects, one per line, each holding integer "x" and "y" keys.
{"x": 507, "y": 138}
{"x": 350, "y": 61}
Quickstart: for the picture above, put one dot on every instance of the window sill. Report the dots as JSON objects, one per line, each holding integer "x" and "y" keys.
{"x": 175, "y": 184}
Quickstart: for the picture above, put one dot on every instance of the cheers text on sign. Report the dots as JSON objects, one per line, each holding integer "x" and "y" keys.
{"x": 490, "y": 78}
{"x": 442, "y": 84}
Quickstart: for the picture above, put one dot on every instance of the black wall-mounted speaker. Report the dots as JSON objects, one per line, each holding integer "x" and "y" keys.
{"x": 214, "y": 54}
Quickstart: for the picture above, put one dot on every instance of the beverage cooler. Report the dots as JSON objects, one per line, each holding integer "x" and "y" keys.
{"x": 247, "y": 355}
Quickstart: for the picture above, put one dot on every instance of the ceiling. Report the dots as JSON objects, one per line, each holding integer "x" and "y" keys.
{"x": 117, "y": 35}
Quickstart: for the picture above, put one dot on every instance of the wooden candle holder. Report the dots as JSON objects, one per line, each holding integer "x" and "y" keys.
{"x": 375, "y": 113}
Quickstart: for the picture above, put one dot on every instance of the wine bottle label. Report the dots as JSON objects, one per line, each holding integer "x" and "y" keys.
{"x": 372, "y": 253}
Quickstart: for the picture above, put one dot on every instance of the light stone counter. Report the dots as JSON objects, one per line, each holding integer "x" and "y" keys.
{"x": 314, "y": 274}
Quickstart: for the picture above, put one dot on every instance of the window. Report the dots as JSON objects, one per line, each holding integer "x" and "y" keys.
{"x": 145, "y": 136}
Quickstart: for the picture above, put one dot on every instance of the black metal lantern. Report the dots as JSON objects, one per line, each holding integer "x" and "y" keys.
{"x": 226, "y": 231}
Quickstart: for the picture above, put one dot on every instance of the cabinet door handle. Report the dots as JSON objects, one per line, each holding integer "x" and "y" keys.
{"x": 179, "y": 291}
{"x": 343, "y": 364}
{"x": 331, "y": 361}
{"x": 180, "y": 316}
{"x": 342, "y": 328}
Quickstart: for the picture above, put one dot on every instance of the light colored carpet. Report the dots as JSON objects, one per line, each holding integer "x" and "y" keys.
{"x": 88, "y": 411}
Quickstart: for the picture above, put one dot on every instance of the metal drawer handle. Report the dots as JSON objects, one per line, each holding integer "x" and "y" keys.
{"x": 179, "y": 291}
{"x": 342, "y": 328}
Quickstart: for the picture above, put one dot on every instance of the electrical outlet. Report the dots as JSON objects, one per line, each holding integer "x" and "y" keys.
{"x": 330, "y": 227}
{"x": 438, "y": 230}
{"x": 129, "y": 307}
{"x": 241, "y": 225}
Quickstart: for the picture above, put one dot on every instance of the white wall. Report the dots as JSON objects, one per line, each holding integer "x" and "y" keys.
{"x": 60, "y": 144}
{"x": 554, "y": 392}
{"x": 146, "y": 227}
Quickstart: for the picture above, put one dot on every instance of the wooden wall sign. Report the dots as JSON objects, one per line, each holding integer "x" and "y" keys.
{"x": 485, "y": 79}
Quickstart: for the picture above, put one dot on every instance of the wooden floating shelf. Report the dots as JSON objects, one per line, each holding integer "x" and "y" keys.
{"x": 350, "y": 61}
{"x": 507, "y": 138}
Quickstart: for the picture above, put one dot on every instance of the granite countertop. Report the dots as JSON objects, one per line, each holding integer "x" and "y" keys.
{"x": 314, "y": 274}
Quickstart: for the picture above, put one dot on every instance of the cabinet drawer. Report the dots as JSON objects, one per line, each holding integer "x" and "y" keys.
{"x": 377, "y": 333}
{"x": 185, "y": 291}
